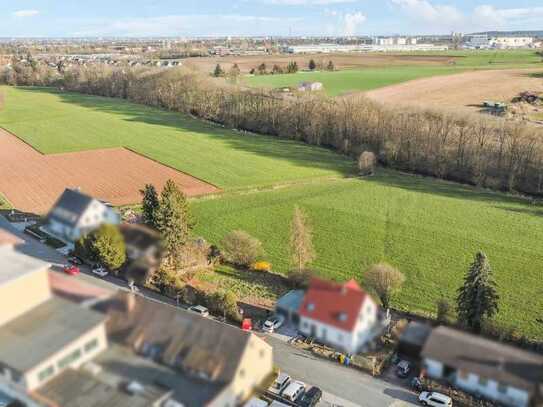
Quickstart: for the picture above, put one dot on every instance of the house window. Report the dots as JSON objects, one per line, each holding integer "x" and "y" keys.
{"x": 262, "y": 353}
{"x": 340, "y": 338}
{"x": 242, "y": 373}
{"x": 342, "y": 316}
{"x": 68, "y": 360}
{"x": 483, "y": 381}
{"x": 90, "y": 346}
{"x": 310, "y": 307}
{"x": 46, "y": 373}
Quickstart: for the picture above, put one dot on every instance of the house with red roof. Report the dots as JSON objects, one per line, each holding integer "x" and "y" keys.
{"x": 343, "y": 316}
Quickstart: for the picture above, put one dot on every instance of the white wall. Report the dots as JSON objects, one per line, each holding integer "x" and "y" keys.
{"x": 31, "y": 377}
{"x": 350, "y": 342}
{"x": 434, "y": 368}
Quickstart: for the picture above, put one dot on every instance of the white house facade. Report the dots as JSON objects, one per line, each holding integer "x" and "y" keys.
{"x": 342, "y": 316}
{"x": 482, "y": 367}
{"x": 76, "y": 214}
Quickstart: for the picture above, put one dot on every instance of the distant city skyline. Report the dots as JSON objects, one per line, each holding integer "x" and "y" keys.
{"x": 139, "y": 18}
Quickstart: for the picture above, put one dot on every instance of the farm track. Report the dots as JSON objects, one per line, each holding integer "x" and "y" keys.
{"x": 32, "y": 182}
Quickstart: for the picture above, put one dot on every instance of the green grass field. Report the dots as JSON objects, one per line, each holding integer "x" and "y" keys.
{"x": 429, "y": 229}
{"x": 55, "y": 122}
{"x": 357, "y": 80}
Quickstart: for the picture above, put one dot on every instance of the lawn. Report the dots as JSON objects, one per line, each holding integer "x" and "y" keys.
{"x": 55, "y": 122}
{"x": 429, "y": 229}
{"x": 352, "y": 80}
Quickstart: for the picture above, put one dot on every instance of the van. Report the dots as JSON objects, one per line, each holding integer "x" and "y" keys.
{"x": 435, "y": 399}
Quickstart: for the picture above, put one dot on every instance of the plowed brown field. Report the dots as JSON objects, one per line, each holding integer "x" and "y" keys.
{"x": 32, "y": 181}
{"x": 464, "y": 91}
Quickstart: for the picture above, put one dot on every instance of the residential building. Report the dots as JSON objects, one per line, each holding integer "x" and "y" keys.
{"x": 340, "y": 315}
{"x": 478, "y": 41}
{"x": 41, "y": 335}
{"x": 210, "y": 363}
{"x": 142, "y": 252}
{"x": 483, "y": 367}
{"x": 76, "y": 214}
{"x": 73, "y": 345}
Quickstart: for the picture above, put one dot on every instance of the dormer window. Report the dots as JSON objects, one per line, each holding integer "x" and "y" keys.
{"x": 342, "y": 316}
{"x": 310, "y": 307}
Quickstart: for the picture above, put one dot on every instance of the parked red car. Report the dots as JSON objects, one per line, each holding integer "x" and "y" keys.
{"x": 247, "y": 324}
{"x": 71, "y": 270}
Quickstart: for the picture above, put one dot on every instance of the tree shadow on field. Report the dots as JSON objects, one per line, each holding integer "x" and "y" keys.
{"x": 447, "y": 189}
{"x": 281, "y": 149}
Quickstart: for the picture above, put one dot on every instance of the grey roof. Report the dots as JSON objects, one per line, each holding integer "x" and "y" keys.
{"x": 69, "y": 207}
{"x": 43, "y": 331}
{"x": 14, "y": 265}
{"x": 489, "y": 359}
{"x": 195, "y": 346}
{"x": 77, "y": 388}
{"x": 291, "y": 301}
{"x": 416, "y": 333}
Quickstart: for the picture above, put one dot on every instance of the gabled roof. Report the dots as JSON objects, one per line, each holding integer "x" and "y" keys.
{"x": 333, "y": 304}
{"x": 486, "y": 358}
{"x": 183, "y": 339}
{"x": 139, "y": 236}
{"x": 69, "y": 207}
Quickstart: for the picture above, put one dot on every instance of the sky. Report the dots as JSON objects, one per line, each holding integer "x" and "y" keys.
{"x": 139, "y": 18}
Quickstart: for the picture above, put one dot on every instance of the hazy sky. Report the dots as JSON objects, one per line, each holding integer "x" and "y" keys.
{"x": 262, "y": 17}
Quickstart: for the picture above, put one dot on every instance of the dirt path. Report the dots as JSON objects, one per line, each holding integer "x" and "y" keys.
{"x": 32, "y": 181}
{"x": 461, "y": 91}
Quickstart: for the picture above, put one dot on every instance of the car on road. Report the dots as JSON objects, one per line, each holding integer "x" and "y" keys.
{"x": 280, "y": 383}
{"x": 310, "y": 398}
{"x": 435, "y": 399}
{"x": 71, "y": 270}
{"x": 100, "y": 271}
{"x": 199, "y": 309}
{"x": 76, "y": 261}
{"x": 273, "y": 323}
{"x": 403, "y": 369}
{"x": 293, "y": 391}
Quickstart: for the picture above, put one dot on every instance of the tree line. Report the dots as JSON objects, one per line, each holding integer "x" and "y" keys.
{"x": 477, "y": 150}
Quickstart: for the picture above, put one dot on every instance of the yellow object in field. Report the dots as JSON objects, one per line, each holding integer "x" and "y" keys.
{"x": 262, "y": 266}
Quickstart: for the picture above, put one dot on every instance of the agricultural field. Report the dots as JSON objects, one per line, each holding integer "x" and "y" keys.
{"x": 429, "y": 229}
{"x": 54, "y": 122}
{"x": 375, "y": 76}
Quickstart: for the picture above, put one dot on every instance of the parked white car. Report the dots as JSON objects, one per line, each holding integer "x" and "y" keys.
{"x": 100, "y": 271}
{"x": 435, "y": 399}
{"x": 273, "y": 323}
{"x": 280, "y": 383}
{"x": 199, "y": 309}
{"x": 293, "y": 391}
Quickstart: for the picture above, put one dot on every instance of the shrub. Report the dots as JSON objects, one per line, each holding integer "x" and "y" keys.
{"x": 262, "y": 266}
{"x": 241, "y": 249}
{"x": 299, "y": 278}
{"x": 366, "y": 163}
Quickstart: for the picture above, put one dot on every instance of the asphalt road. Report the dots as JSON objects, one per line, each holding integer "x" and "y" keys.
{"x": 341, "y": 385}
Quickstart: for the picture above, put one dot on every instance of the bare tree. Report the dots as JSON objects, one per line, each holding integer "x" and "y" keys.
{"x": 385, "y": 280}
{"x": 301, "y": 245}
